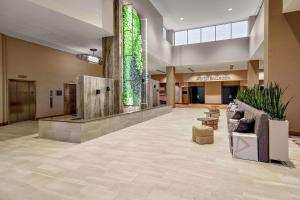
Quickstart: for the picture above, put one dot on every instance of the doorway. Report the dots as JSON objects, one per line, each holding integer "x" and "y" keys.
{"x": 70, "y": 99}
{"x": 22, "y": 100}
{"x": 197, "y": 95}
{"x": 229, "y": 93}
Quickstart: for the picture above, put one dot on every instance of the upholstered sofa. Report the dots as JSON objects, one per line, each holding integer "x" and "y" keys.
{"x": 261, "y": 128}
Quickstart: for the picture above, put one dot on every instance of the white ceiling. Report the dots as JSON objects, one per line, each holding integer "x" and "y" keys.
{"x": 27, "y": 20}
{"x": 199, "y": 13}
{"x": 238, "y": 65}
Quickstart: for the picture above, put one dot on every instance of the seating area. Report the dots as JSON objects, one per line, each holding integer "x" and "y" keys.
{"x": 204, "y": 133}
{"x": 149, "y": 100}
{"x": 252, "y": 145}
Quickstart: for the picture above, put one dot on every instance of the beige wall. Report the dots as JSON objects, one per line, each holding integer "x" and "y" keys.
{"x": 282, "y": 60}
{"x": 211, "y": 52}
{"x": 253, "y": 73}
{"x": 95, "y": 12}
{"x": 213, "y": 89}
{"x": 159, "y": 50}
{"x": 1, "y": 81}
{"x": 256, "y": 38}
{"x": 240, "y": 75}
{"x": 50, "y": 69}
{"x": 213, "y": 92}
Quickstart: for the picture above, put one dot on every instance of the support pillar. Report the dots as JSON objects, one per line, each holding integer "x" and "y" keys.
{"x": 112, "y": 55}
{"x": 253, "y": 73}
{"x": 3, "y": 82}
{"x": 282, "y": 59}
{"x": 171, "y": 86}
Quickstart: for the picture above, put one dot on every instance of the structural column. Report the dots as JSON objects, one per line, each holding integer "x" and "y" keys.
{"x": 171, "y": 81}
{"x": 3, "y": 82}
{"x": 282, "y": 58}
{"x": 112, "y": 55}
{"x": 253, "y": 73}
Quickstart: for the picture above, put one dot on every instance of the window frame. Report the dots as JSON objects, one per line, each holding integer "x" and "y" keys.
{"x": 199, "y": 35}
{"x": 230, "y": 35}
{"x": 215, "y": 33}
{"x": 201, "y": 41}
{"x": 186, "y": 43}
{"x": 239, "y": 22}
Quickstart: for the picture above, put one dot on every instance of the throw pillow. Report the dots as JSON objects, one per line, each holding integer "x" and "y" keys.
{"x": 238, "y": 114}
{"x": 246, "y": 126}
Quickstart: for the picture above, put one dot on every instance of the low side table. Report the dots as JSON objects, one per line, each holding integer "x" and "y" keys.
{"x": 209, "y": 121}
{"x": 212, "y": 114}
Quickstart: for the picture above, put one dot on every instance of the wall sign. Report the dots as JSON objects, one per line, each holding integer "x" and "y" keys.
{"x": 204, "y": 78}
{"x": 58, "y": 92}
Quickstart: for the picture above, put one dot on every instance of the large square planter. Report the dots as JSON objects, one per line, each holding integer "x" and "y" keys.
{"x": 279, "y": 140}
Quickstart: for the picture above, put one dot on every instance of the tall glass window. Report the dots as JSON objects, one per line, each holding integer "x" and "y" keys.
{"x": 194, "y": 36}
{"x": 240, "y": 29}
{"x": 223, "y": 32}
{"x": 180, "y": 38}
{"x": 208, "y": 34}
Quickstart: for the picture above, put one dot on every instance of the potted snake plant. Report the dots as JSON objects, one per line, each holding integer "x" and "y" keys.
{"x": 278, "y": 125}
{"x": 270, "y": 100}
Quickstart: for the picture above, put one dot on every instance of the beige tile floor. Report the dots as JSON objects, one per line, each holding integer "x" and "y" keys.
{"x": 18, "y": 130}
{"x": 155, "y": 160}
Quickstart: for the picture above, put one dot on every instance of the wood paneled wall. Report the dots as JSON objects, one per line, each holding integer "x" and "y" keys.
{"x": 96, "y": 97}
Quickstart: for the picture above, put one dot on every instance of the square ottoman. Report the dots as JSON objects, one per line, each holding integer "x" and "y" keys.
{"x": 203, "y": 134}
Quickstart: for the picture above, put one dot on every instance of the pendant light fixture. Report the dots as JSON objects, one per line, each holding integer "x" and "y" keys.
{"x": 90, "y": 58}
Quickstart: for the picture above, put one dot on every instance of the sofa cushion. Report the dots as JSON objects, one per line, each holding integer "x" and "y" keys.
{"x": 238, "y": 114}
{"x": 261, "y": 129}
{"x": 232, "y": 125}
{"x": 233, "y": 107}
{"x": 246, "y": 125}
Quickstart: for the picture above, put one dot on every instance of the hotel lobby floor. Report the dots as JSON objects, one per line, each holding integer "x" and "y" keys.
{"x": 154, "y": 160}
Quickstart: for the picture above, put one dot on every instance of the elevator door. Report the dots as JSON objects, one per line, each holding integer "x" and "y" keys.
{"x": 21, "y": 101}
{"x": 70, "y": 99}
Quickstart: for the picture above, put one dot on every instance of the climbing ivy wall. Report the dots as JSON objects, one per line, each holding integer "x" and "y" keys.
{"x": 133, "y": 67}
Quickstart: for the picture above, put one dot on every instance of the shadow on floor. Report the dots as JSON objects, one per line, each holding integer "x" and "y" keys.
{"x": 17, "y": 130}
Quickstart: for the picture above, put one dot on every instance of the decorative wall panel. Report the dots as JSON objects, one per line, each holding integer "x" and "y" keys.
{"x": 133, "y": 65}
{"x": 96, "y": 97}
{"x": 154, "y": 93}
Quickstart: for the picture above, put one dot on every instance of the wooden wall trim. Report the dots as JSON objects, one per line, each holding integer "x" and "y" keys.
{"x": 294, "y": 133}
{"x": 3, "y": 123}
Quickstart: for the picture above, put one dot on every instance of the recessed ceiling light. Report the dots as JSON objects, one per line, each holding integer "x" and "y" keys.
{"x": 229, "y": 9}
{"x": 181, "y": 18}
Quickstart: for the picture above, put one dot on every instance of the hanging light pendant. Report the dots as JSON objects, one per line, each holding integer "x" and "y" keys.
{"x": 90, "y": 58}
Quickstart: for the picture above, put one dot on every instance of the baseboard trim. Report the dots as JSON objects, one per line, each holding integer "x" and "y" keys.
{"x": 38, "y": 118}
{"x": 4, "y": 124}
{"x": 294, "y": 133}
